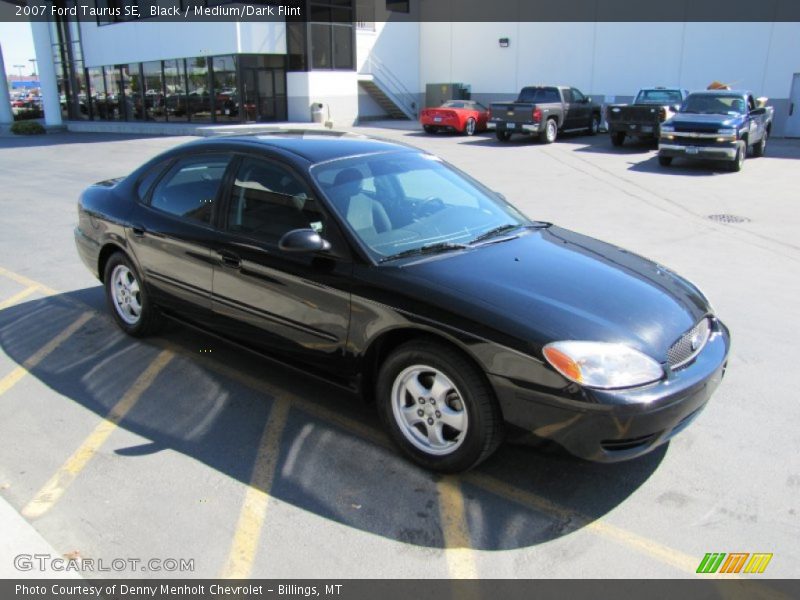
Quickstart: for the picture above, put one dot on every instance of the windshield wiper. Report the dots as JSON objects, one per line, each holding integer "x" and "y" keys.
{"x": 427, "y": 249}
{"x": 508, "y": 227}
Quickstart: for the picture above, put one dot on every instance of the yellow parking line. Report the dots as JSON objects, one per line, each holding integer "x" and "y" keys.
{"x": 256, "y": 501}
{"x": 52, "y": 491}
{"x": 26, "y": 281}
{"x": 10, "y": 380}
{"x": 458, "y": 552}
{"x": 20, "y": 296}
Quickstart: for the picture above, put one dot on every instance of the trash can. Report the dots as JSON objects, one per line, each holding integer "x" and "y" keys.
{"x": 317, "y": 113}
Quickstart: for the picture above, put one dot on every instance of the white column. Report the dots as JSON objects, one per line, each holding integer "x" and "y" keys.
{"x": 6, "y": 117}
{"x": 42, "y": 44}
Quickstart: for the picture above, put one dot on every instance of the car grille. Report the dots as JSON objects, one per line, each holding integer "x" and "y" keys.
{"x": 689, "y": 344}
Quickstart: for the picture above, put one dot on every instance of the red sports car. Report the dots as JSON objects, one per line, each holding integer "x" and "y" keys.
{"x": 464, "y": 116}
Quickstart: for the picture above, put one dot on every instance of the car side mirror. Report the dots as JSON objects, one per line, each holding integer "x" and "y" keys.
{"x": 303, "y": 240}
{"x": 759, "y": 111}
{"x": 587, "y": 99}
{"x": 675, "y": 107}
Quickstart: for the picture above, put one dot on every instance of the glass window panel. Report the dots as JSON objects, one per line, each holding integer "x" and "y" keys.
{"x": 175, "y": 83}
{"x": 198, "y": 98}
{"x": 190, "y": 188}
{"x": 132, "y": 88}
{"x": 342, "y": 46}
{"x": 154, "y": 100}
{"x": 226, "y": 92}
{"x": 321, "y": 46}
{"x": 97, "y": 92}
{"x": 113, "y": 93}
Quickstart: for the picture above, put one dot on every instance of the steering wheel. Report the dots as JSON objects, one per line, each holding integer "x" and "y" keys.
{"x": 428, "y": 206}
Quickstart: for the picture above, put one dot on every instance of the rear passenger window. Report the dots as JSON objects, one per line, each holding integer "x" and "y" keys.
{"x": 189, "y": 189}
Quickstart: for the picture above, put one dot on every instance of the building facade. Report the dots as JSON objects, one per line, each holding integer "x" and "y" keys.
{"x": 353, "y": 60}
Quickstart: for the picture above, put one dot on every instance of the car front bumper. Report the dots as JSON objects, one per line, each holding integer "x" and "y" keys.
{"x": 720, "y": 152}
{"x": 615, "y": 425}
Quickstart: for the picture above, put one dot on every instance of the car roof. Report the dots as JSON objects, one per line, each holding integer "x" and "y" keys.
{"x": 724, "y": 92}
{"x": 313, "y": 146}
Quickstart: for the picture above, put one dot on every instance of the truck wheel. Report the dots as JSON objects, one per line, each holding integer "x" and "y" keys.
{"x": 438, "y": 408}
{"x": 761, "y": 147}
{"x": 665, "y": 161}
{"x": 594, "y": 125}
{"x": 618, "y": 138}
{"x": 738, "y": 162}
{"x": 503, "y": 136}
{"x": 550, "y": 133}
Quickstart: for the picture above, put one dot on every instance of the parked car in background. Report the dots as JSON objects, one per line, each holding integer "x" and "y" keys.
{"x": 643, "y": 117}
{"x": 544, "y": 111}
{"x": 462, "y": 116}
{"x": 381, "y": 268}
{"x": 717, "y": 125}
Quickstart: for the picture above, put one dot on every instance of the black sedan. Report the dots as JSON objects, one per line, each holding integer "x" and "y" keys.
{"x": 382, "y": 268}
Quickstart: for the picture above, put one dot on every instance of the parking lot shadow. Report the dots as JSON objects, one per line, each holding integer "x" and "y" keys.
{"x": 212, "y": 402}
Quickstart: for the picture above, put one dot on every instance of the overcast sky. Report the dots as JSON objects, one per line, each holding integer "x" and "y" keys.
{"x": 17, "y": 43}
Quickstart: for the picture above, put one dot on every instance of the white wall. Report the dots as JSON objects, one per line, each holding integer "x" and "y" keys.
{"x": 143, "y": 41}
{"x": 611, "y": 58}
{"x": 336, "y": 90}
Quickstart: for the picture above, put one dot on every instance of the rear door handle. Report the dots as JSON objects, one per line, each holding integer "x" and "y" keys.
{"x": 229, "y": 259}
{"x": 138, "y": 230}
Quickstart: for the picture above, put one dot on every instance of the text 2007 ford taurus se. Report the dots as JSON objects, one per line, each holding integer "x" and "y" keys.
{"x": 383, "y": 268}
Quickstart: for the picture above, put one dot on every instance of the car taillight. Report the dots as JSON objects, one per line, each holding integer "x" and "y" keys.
{"x": 537, "y": 115}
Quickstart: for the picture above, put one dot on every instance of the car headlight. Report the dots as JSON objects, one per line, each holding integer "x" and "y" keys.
{"x": 727, "y": 132}
{"x": 668, "y": 128}
{"x": 601, "y": 364}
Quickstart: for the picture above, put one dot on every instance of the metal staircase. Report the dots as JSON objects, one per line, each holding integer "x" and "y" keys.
{"x": 387, "y": 90}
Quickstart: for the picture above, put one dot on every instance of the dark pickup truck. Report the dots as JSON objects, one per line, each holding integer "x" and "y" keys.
{"x": 544, "y": 111}
{"x": 642, "y": 118}
{"x": 716, "y": 125}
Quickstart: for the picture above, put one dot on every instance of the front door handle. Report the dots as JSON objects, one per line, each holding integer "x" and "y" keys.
{"x": 138, "y": 230}
{"x": 229, "y": 259}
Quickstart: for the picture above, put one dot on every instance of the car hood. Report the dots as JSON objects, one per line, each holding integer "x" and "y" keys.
{"x": 553, "y": 284}
{"x": 704, "y": 122}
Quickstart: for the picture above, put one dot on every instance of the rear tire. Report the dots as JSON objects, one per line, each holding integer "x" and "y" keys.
{"x": 502, "y": 136}
{"x": 665, "y": 161}
{"x": 550, "y": 132}
{"x": 761, "y": 147}
{"x": 618, "y": 138}
{"x": 594, "y": 124}
{"x": 438, "y": 407}
{"x": 128, "y": 299}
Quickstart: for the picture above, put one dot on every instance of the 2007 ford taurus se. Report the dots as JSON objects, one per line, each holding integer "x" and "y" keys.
{"x": 383, "y": 268}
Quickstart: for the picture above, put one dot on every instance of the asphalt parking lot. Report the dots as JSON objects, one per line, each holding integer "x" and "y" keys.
{"x": 182, "y": 447}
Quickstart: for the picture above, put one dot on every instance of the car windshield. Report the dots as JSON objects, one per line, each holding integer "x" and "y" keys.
{"x": 662, "y": 97}
{"x": 407, "y": 201}
{"x": 715, "y": 104}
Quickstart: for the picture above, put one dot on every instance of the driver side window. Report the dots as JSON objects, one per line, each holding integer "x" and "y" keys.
{"x": 267, "y": 201}
{"x": 577, "y": 96}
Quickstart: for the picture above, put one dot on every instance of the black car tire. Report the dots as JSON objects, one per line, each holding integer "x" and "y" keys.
{"x": 502, "y": 136}
{"x": 119, "y": 269}
{"x": 738, "y": 162}
{"x": 470, "y": 396}
{"x": 429, "y": 129}
{"x": 594, "y": 124}
{"x": 550, "y": 132}
{"x": 761, "y": 147}
{"x": 618, "y": 138}
{"x": 470, "y": 126}
{"x": 665, "y": 161}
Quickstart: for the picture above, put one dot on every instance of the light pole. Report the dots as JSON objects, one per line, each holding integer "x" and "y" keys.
{"x": 20, "y": 67}
{"x": 33, "y": 65}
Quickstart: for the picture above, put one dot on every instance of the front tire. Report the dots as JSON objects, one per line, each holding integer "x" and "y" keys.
{"x": 470, "y": 126}
{"x": 665, "y": 161}
{"x": 550, "y": 133}
{"x": 738, "y": 162}
{"x": 594, "y": 125}
{"x": 618, "y": 138}
{"x": 502, "y": 136}
{"x": 438, "y": 407}
{"x": 128, "y": 299}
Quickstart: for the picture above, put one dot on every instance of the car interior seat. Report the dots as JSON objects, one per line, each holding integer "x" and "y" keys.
{"x": 363, "y": 213}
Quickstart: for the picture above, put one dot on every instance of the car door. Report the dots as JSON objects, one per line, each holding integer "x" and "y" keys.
{"x": 293, "y": 305}
{"x": 172, "y": 233}
{"x": 569, "y": 109}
